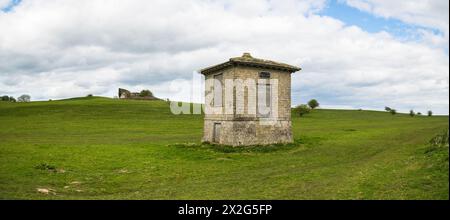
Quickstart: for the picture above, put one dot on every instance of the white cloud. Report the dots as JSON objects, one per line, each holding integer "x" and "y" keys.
{"x": 430, "y": 13}
{"x": 4, "y": 3}
{"x": 57, "y": 49}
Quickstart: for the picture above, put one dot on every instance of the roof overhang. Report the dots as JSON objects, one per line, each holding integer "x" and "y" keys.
{"x": 250, "y": 62}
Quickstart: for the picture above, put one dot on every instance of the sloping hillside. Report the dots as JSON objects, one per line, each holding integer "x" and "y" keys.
{"x": 99, "y": 148}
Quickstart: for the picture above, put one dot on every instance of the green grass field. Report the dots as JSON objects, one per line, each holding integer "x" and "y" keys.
{"x": 98, "y": 148}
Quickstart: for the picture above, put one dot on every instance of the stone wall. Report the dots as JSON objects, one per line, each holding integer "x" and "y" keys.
{"x": 247, "y": 129}
{"x": 238, "y": 133}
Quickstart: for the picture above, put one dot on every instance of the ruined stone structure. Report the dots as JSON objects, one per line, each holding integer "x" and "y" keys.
{"x": 233, "y": 106}
{"x": 125, "y": 94}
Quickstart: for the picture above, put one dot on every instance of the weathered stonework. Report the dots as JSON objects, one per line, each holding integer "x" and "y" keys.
{"x": 125, "y": 94}
{"x": 246, "y": 128}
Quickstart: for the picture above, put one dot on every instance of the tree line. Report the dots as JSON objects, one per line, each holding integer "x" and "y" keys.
{"x": 22, "y": 98}
{"x": 411, "y": 112}
{"x": 303, "y": 109}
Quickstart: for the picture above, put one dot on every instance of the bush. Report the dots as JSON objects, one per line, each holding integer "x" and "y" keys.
{"x": 437, "y": 154}
{"x": 302, "y": 110}
{"x": 6, "y": 98}
{"x": 411, "y": 113}
{"x": 24, "y": 98}
{"x": 388, "y": 109}
{"x": 45, "y": 166}
{"x": 419, "y": 113}
{"x": 89, "y": 95}
{"x": 440, "y": 140}
{"x": 393, "y": 111}
{"x": 313, "y": 103}
{"x": 430, "y": 113}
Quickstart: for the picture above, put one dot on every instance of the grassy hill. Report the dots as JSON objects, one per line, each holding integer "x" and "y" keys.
{"x": 98, "y": 148}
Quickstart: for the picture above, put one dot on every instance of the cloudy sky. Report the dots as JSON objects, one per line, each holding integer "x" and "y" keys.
{"x": 354, "y": 53}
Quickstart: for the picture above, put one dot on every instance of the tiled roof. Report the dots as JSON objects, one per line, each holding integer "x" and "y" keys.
{"x": 247, "y": 60}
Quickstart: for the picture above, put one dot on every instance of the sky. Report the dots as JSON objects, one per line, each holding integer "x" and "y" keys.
{"x": 353, "y": 53}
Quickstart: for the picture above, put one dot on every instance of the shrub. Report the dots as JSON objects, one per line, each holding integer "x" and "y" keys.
{"x": 89, "y": 95}
{"x": 45, "y": 166}
{"x": 313, "y": 103}
{"x": 24, "y": 98}
{"x": 393, "y": 111}
{"x": 411, "y": 113}
{"x": 7, "y": 98}
{"x": 145, "y": 93}
{"x": 430, "y": 113}
{"x": 388, "y": 109}
{"x": 440, "y": 140}
{"x": 419, "y": 113}
{"x": 302, "y": 109}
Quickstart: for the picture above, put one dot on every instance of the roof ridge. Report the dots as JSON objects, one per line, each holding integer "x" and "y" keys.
{"x": 248, "y": 60}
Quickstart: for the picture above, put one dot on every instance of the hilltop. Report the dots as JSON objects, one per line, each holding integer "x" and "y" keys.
{"x": 100, "y": 148}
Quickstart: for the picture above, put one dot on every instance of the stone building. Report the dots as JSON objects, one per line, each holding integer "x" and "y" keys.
{"x": 143, "y": 95}
{"x": 125, "y": 94}
{"x": 248, "y": 102}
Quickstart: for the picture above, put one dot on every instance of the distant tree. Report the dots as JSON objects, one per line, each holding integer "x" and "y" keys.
{"x": 430, "y": 113}
{"x": 302, "y": 109}
{"x": 388, "y": 109}
{"x": 89, "y": 95}
{"x": 411, "y": 113}
{"x": 24, "y": 98}
{"x": 145, "y": 93}
{"x": 419, "y": 113}
{"x": 12, "y": 99}
{"x": 5, "y": 98}
{"x": 393, "y": 111}
{"x": 313, "y": 103}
